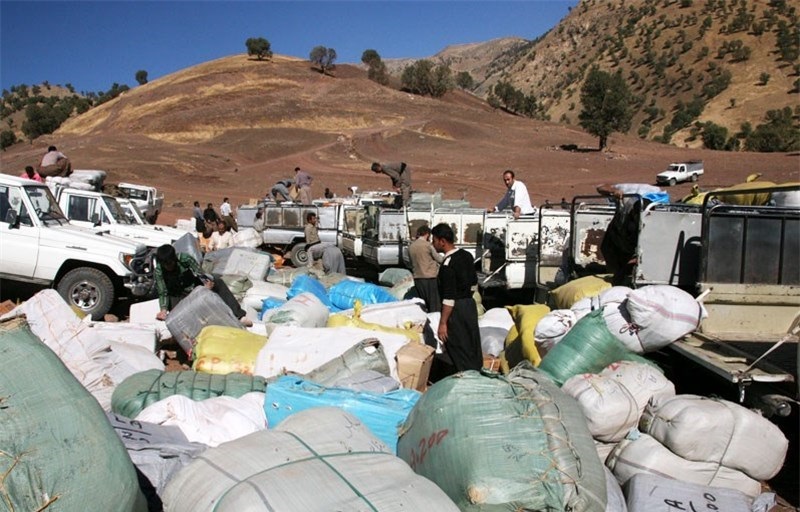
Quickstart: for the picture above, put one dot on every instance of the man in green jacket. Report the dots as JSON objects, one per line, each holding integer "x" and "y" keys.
{"x": 177, "y": 275}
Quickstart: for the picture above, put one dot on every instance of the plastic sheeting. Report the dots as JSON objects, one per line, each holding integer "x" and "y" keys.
{"x": 224, "y": 350}
{"x": 647, "y": 493}
{"x": 495, "y": 444}
{"x": 242, "y": 261}
{"x": 200, "y": 308}
{"x": 142, "y": 389}
{"x": 318, "y": 460}
{"x": 344, "y": 294}
{"x": 57, "y": 450}
{"x": 303, "y": 310}
{"x": 366, "y": 355}
{"x": 212, "y": 421}
{"x": 301, "y": 350}
{"x": 383, "y": 414}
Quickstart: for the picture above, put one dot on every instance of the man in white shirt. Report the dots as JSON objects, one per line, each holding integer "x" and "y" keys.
{"x": 225, "y": 213}
{"x": 222, "y": 237}
{"x": 516, "y": 197}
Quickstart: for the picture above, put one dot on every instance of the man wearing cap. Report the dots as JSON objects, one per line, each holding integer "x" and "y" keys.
{"x": 400, "y": 174}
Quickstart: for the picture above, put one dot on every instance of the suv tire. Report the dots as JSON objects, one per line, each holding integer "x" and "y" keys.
{"x": 89, "y": 290}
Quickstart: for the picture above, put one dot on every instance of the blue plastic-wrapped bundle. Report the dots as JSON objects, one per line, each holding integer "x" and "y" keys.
{"x": 270, "y": 303}
{"x": 344, "y": 294}
{"x": 306, "y": 283}
{"x": 383, "y": 414}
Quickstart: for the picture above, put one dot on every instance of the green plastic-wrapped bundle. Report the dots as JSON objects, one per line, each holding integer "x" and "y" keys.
{"x": 57, "y": 449}
{"x": 587, "y": 348}
{"x": 148, "y": 387}
{"x": 495, "y": 443}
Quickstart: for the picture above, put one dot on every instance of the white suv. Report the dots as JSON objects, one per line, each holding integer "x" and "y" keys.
{"x": 38, "y": 245}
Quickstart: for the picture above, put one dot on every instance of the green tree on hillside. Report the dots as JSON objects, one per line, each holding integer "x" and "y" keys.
{"x": 606, "y": 103}
{"x": 376, "y": 67}
{"x": 7, "y": 138}
{"x": 465, "y": 81}
{"x": 425, "y": 78}
{"x": 259, "y": 47}
{"x": 323, "y": 58}
{"x": 779, "y": 133}
{"x": 141, "y": 77}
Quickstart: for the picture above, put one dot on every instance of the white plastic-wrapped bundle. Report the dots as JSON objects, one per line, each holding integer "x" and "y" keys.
{"x": 613, "y": 400}
{"x": 663, "y": 314}
{"x": 301, "y": 350}
{"x": 212, "y": 421}
{"x": 84, "y": 351}
{"x": 186, "y": 224}
{"x": 141, "y": 335}
{"x": 646, "y": 493}
{"x": 615, "y": 295}
{"x": 304, "y": 310}
{"x": 719, "y": 431}
{"x": 496, "y": 317}
{"x": 552, "y": 327}
{"x": 619, "y": 323}
{"x": 94, "y": 178}
{"x": 247, "y": 237}
{"x": 318, "y": 460}
{"x": 604, "y": 449}
{"x": 646, "y": 455}
{"x": 402, "y": 314}
{"x": 493, "y": 340}
{"x": 241, "y": 261}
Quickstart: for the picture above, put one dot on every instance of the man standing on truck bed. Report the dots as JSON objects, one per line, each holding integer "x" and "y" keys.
{"x": 281, "y": 188}
{"x": 458, "y": 325}
{"x": 400, "y": 174}
{"x": 54, "y": 163}
{"x": 302, "y": 181}
{"x": 516, "y": 197}
{"x": 425, "y": 262}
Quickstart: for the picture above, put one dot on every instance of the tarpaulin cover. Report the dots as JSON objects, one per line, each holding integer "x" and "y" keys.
{"x": 145, "y": 388}
{"x": 57, "y": 449}
{"x": 383, "y": 414}
{"x": 495, "y": 443}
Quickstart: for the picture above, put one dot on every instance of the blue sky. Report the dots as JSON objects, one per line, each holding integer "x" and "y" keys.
{"x": 92, "y": 44}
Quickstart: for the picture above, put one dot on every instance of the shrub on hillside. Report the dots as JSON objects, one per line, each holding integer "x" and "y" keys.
{"x": 778, "y": 134}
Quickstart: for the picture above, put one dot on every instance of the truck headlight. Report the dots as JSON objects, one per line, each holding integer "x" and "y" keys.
{"x": 126, "y": 259}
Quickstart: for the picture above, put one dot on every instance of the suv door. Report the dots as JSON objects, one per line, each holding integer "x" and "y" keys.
{"x": 19, "y": 251}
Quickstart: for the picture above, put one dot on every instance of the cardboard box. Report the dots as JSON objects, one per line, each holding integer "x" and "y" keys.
{"x": 414, "y": 361}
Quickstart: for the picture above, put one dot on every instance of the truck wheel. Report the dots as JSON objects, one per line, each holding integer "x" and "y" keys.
{"x": 299, "y": 256}
{"x": 693, "y": 177}
{"x": 672, "y": 182}
{"x": 88, "y": 289}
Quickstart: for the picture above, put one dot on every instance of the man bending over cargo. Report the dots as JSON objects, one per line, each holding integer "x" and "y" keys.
{"x": 177, "y": 275}
{"x": 331, "y": 256}
{"x": 54, "y": 163}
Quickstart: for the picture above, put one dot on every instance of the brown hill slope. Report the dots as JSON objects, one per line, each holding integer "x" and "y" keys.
{"x": 669, "y": 51}
{"x": 234, "y": 126}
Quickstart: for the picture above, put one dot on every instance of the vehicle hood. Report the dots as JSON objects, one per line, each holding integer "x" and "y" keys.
{"x": 75, "y": 237}
{"x": 139, "y": 234}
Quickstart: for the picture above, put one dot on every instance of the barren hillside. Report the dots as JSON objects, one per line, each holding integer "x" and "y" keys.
{"x": 234, "y": 126}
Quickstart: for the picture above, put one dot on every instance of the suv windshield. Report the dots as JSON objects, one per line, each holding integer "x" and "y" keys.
{"x": 133, "y": 212}
{"x": 116, "y": 211}
{"x": 45, "y": 206}
{"x": 133, "y": 193}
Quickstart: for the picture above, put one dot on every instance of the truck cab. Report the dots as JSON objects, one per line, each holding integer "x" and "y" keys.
{"x": 102, "y": 212}
{"x": 149, "y": 201}
{"x": 679, "y": 172}
{"x": 89, "y": 270}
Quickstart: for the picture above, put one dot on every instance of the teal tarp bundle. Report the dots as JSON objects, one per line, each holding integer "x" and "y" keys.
{"x": 496, "y": 443}
{"x": 57, "y": 449}
{"x": 587, "y": 348}
{"x": 148, "y": 387}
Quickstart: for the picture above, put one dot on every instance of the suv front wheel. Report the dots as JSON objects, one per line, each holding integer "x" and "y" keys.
{"x": 88, "y": 289}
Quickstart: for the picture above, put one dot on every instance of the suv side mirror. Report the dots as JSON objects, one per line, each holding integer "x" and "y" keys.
{"x": 95, "y": 219}
{"x": 12, "y": 218}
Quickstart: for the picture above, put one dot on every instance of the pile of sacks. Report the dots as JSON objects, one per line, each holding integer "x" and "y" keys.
{"x": 330, "y": 386}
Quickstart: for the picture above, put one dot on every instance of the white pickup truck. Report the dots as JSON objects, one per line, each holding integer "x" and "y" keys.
{"x": 38, "y": 245}
{"x": 102, "y": 212}
{"x": 679, "y": 172}
{"x": 149, "y": 201}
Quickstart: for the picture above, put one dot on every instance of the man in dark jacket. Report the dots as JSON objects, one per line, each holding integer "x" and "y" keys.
{"x": 458, "y": 325}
